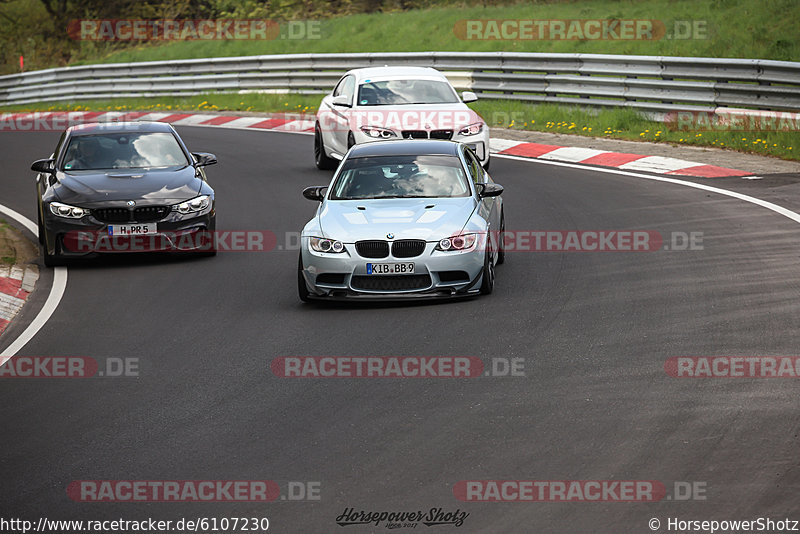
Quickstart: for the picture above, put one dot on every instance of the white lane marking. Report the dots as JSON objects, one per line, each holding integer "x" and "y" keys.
{"x": 658, "y": 164}
{"x": 572, "y": 153}
{"x": 747, "y": 198}
{"x": 20, "y": 218}
{"x": 50, "y": 305}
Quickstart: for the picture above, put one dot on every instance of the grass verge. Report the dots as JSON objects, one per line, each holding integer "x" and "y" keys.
{"x": 8, "y": 253}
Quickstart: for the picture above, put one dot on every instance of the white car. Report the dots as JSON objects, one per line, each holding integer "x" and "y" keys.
{"x": 383, "y": 103}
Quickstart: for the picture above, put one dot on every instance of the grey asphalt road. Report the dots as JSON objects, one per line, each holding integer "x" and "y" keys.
{"x": 594, "y": 330}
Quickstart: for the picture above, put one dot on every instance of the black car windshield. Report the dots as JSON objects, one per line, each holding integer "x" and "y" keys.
{"x": 130, "y": 150}
{"x": 394, "y": 92}
{"x": 401, "y": 177}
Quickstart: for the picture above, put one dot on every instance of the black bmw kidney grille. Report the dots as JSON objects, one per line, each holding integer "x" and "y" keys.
{"x": 123, "y": 215}
{"x": 112, "y": 215}
{"x": 403, "y": 282}
{"x": 424, "y": 134}
{"x": 414, "y": 134}
{"x": 372, "y": 249}
{"x": 150, "y": 213}
{"x": 408, "y": 248}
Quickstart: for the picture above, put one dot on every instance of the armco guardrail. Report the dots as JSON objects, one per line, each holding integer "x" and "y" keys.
{"x": 651, "y": 83}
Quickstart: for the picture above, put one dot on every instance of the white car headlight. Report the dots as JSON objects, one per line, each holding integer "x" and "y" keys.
{"x": 378, "y": 133}
{"x": 322, "y": 244}
{"x": 457, "y": 242}
{"x": 193, "y": 205}
{"x": 67, "y": 211}
{"x": 472, "y": 129}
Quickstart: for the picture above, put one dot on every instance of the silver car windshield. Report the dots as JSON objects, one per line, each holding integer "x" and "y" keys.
{"x": 401, "y": 177}
{"x": 398, "y": 92}
{"x": 134, "y": 150}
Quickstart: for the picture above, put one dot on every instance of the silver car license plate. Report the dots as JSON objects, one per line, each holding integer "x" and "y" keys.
{"x": 390, "y": 268}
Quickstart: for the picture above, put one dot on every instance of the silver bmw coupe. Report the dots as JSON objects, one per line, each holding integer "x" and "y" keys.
{"x": 403, "y": 220}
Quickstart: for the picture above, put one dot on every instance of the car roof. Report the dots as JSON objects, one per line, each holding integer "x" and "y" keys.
{"x": 405, "y": 147}
{"x": 381, "y": 72}
{"x": 94, "y": 128}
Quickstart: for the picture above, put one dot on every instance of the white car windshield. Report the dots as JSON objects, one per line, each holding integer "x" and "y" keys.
{"x": 133, "y": 150}
{"x": 401, "y": 177}
{"x": 398, "y": 92}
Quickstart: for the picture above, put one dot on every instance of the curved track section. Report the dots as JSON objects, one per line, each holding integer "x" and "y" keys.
{"x": 594, "y": 329}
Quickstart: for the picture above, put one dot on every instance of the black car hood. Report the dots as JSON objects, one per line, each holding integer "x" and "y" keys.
{"x": 88, "y": 188}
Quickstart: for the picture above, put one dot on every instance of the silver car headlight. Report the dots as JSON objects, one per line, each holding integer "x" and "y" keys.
{"x": 458, "y": 242}
{"x": 67, "y": 211}
{"x": 378, "y": 133}
{"x": 193, "y": 205}
{"x": 322, "y": 244}
{"x": 472, "y": 129}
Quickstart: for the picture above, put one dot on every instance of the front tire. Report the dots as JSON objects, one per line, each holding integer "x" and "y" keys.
{"x": 321, "y": 159}
{"x": 51, "y": 260}
{"x": 501, "y": 250}
{"x": 302, "y": 288}
{"x": 487, "y": 282}
{"x": 41, "y": 226}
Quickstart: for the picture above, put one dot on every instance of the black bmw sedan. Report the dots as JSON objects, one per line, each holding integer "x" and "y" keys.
{"x": 123, "y": 187}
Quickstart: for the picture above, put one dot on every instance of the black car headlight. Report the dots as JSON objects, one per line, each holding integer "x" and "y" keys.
{"x": 68, "y": 212}
{"x": 378, "y": 133}
{"x": 458, "y": 242}
{"x": 322, "y": 244}
{"x": 193, "y": 205}
{"x": 472, "y": 129}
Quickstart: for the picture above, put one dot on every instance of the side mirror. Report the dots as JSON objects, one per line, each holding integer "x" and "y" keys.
{"x": 204, "y": 158}
{"x": 490, "y": 190}
{"x": 341, "y": 100}
{"x": 43, "y": 165}
{"x": 468, "y": 96}
{"x": 315, "y": 192}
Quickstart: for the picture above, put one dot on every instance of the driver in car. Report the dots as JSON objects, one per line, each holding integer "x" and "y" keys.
{"x": 85, "y": 155}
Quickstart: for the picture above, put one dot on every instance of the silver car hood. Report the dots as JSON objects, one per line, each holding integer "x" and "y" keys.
{"x": 430, "y": 219}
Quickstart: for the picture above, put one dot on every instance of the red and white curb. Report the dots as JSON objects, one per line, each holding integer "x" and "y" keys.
{"x": 619, "y": 160}
{"x": 16, "y": 283}
{"x": 299, "y": 123}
